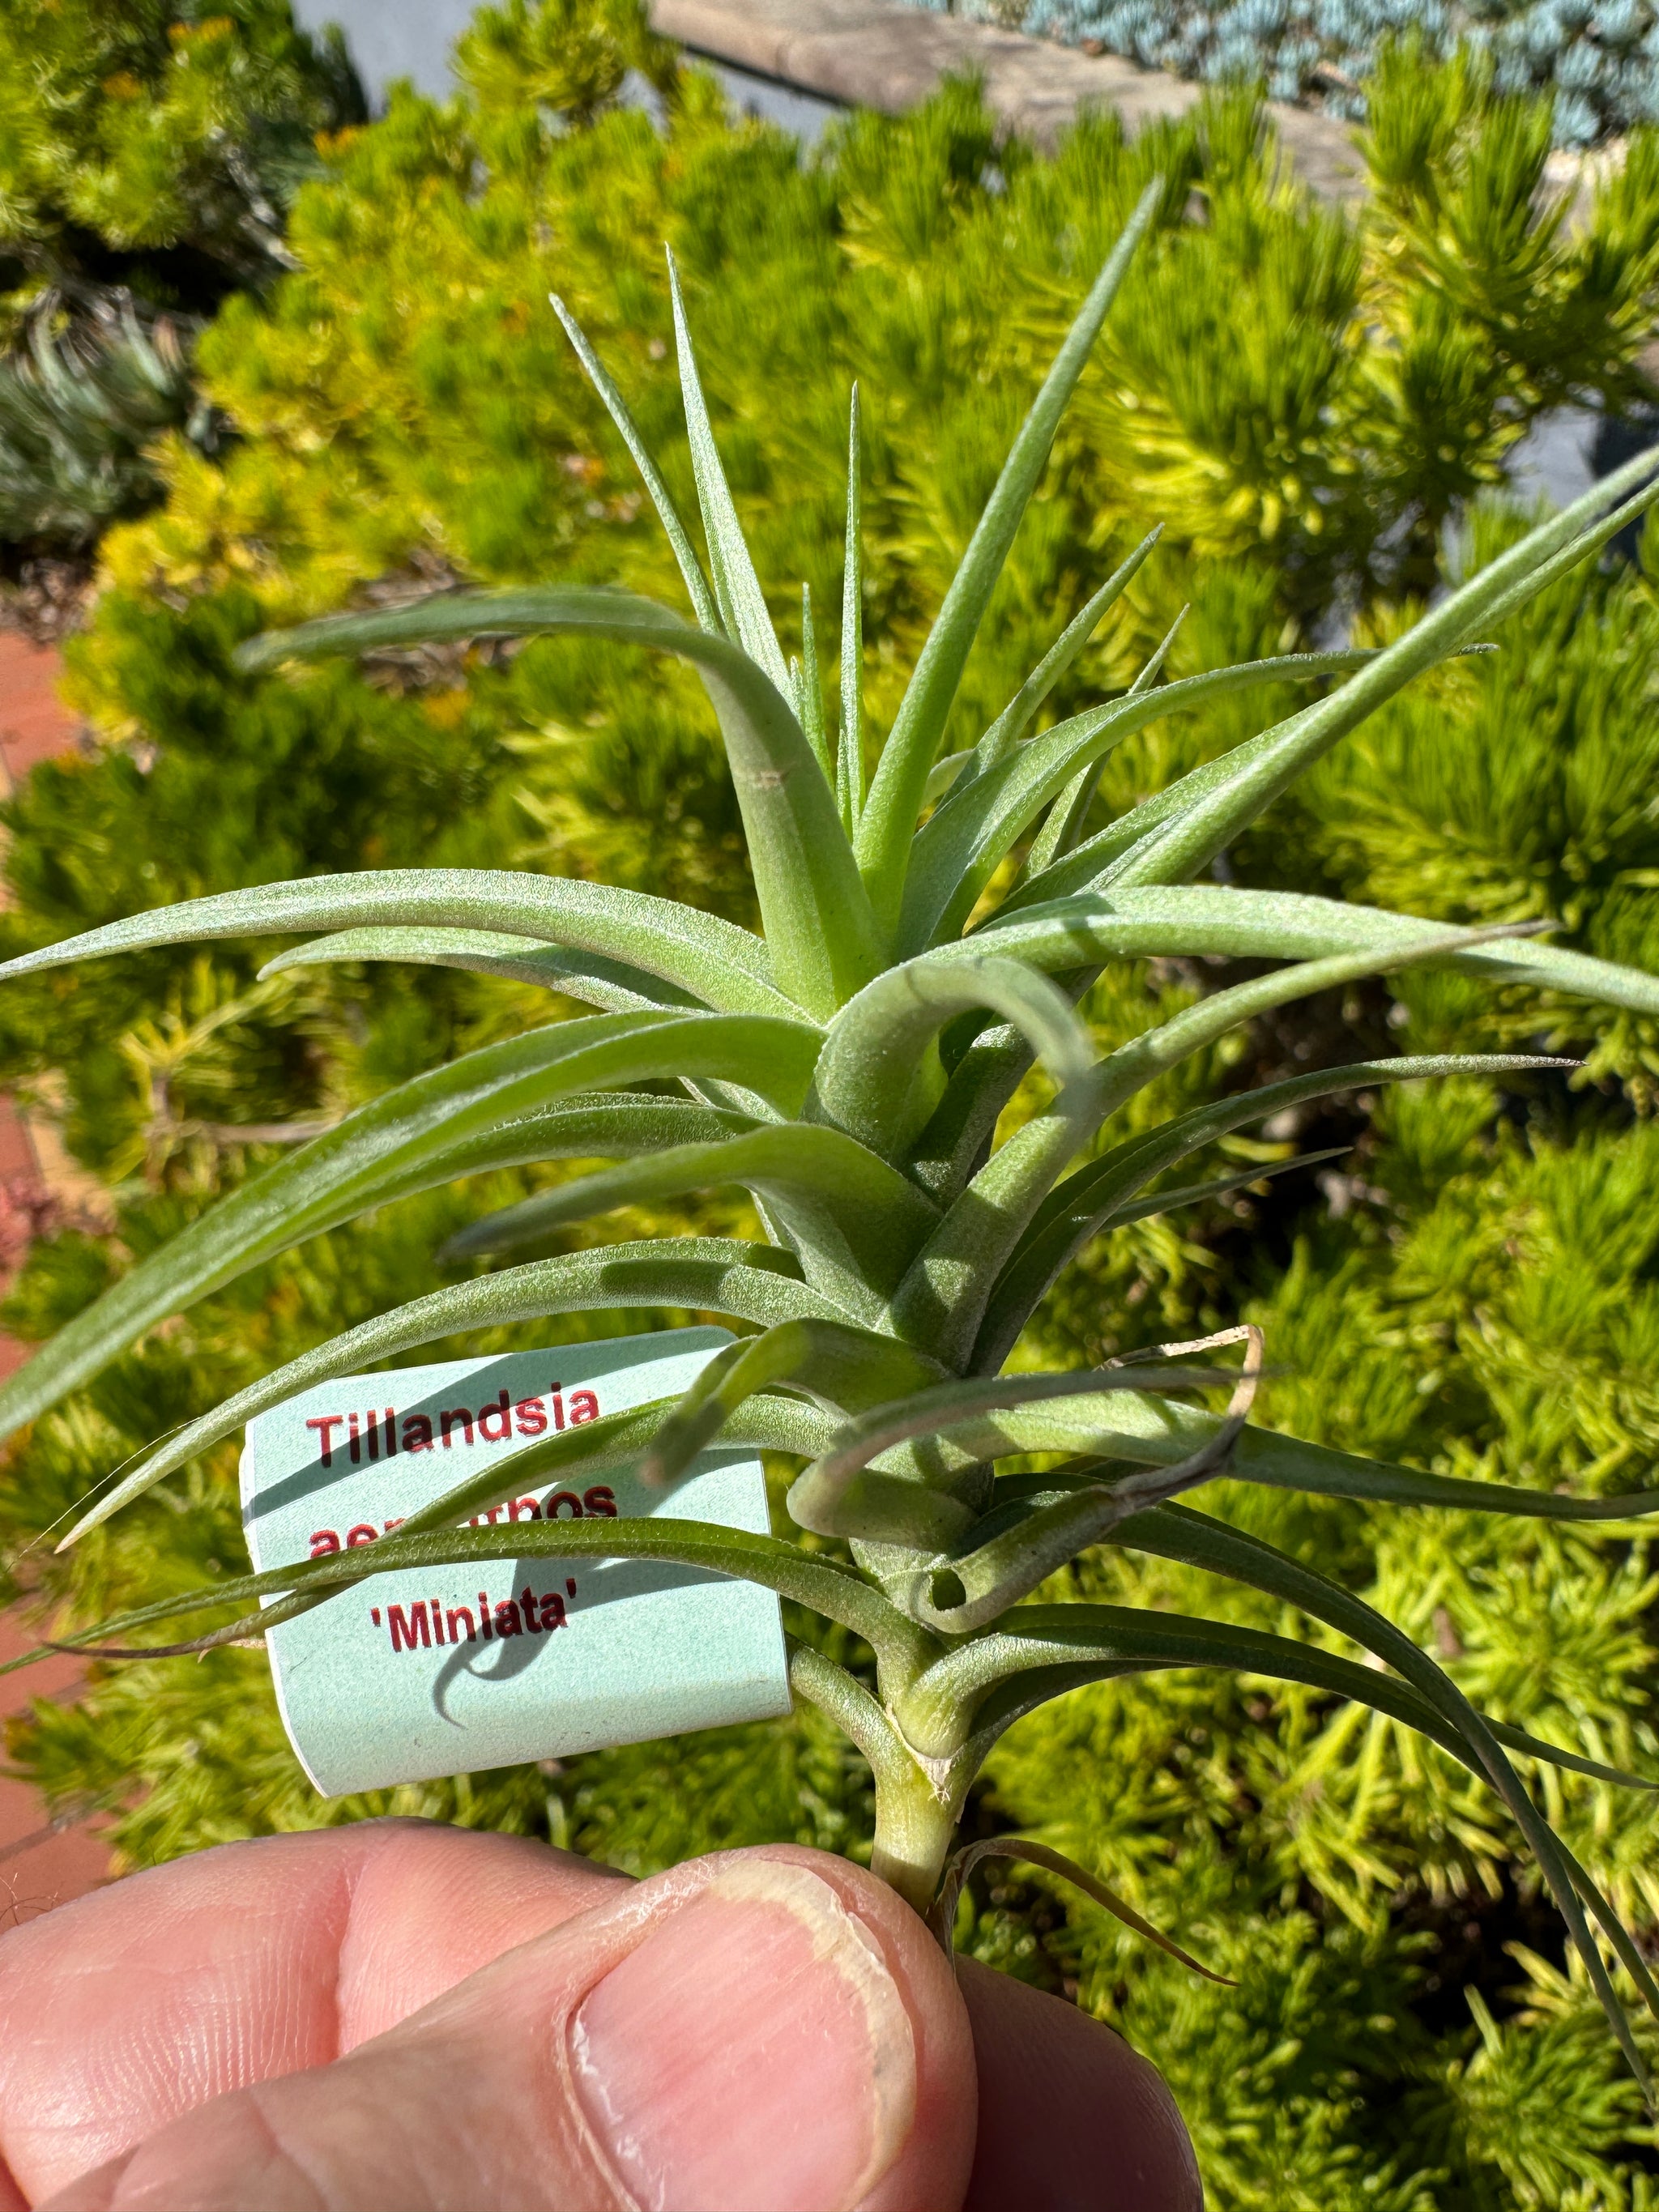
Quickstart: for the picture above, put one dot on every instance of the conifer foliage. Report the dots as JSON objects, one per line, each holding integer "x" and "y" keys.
{"x": 148, "y": 155}
{"x": 927, "y": 923}
{"x": 156, "y": 146}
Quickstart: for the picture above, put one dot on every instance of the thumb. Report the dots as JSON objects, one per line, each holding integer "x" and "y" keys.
{"x": 771, "y": 2029}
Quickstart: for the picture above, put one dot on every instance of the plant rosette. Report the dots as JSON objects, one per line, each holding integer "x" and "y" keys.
{"x": 926, "y": 936}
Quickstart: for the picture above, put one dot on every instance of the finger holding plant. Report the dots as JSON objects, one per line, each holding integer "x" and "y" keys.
{"x": 925, "y": 938}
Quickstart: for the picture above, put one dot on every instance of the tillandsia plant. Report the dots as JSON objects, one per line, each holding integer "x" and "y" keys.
{"x": 926, "y": 937}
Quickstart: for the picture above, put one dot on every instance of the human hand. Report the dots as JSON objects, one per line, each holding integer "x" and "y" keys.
{"x": 396, "y": 2016}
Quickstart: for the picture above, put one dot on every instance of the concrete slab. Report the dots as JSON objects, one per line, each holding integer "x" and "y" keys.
{"x": 856, "y": 53}
{"x": 885, "y": 55}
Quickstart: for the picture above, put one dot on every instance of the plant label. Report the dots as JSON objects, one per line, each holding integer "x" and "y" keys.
{"x": 446, "y": 1670}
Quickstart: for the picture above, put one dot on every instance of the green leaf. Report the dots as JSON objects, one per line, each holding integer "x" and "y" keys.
{"x": 1195, "y": 1194}
{"x": 859, "y": 1219}
{"x": 737, "y": 588}
{"x": 1208, "y": 820}
{"x": 400, "y": 1143}
{"x": 809, "y": 711}
{"x": 889, "y": 820}
{"x": 615, "y": 1440}
{"x": 838, "y": 1366}
{"x": 1619, "y": 1937}
{"x": 959, "y": 849}
{"x": 972, "y": 1414}
{"x": 878, "y": 1076}
{"x": 942, "y": 1302}
{"x": 990, "y": 1070}
{"x": 1156, "y": 1432}
{"x": 1139, "y": 1638}
{"x": 844, "y": 1699}
{"x": 944, "y": 776}
{"x": 713, "y": 960}
{"x": 835, "y": 1592}
{"x": 701, "y": 1274}
{"x": 1012, "y": 724}
{"x": 1127, "y": 1167}
{"x": 821, "y": 934}
{"x": 1195, "y": 1539}
{"x": 1121, "y": 1641}
{"x": 696, "y": 584}
{"x": 849, "y": 751}
{"x": 1070, "y": 811}
{"x": 1283, "y": 1463}
{"x": 605, "y": 1125}
{"x": 764, "y": 1422}
{"x": 611, "y": 984}
{"x": 1094, "y": 1198}
{"x": 957, "y": 1140}
{"x": 1121, "y": 1651}
{"x": 1025, "y": 1848}
{"x": 1187, "y": 920}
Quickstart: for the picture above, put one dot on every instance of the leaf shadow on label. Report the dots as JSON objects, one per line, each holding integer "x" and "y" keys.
{"x": 616, "y": 1582}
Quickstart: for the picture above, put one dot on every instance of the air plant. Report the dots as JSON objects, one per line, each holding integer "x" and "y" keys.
{"x": 848, "y": 1066}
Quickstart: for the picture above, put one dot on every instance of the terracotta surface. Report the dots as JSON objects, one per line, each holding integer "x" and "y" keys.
{"x": 40, "y": 1865}
{"x": 34, "y": 724}
{"x": 17, "y": 1161}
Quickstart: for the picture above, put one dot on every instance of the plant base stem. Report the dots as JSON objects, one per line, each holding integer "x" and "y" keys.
{"x": 914, "y": 1835}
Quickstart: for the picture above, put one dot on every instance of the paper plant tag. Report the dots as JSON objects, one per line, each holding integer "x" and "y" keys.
{"x": 450, "y": 1670}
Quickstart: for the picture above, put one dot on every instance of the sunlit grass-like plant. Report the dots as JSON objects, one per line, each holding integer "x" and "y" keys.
{"x": 924, "y": 943}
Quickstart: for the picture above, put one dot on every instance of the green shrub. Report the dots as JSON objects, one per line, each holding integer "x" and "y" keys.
{"x": 157, "y": 147}
{"x": 148, "y": 158}
{"x": 409, "y": 412}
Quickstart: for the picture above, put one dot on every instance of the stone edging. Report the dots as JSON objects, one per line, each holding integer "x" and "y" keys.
{"x": 887, "y": 54}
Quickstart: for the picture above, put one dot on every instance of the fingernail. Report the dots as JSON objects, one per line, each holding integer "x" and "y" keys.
{"x": 752, "y": 2055}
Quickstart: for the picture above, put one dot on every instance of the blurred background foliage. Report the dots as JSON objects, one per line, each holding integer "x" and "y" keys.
{"x": 149, "y": 156}
{"x": 1320, "y": 408}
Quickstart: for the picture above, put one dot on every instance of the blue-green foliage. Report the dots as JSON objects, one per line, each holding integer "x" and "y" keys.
{"x": 1601, "y": 61}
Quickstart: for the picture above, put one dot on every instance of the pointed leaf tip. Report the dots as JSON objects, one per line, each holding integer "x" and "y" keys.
{"x": 743, "y": 606}
{"x": 674, "y": 529}
{"x": 888, "y": 820}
